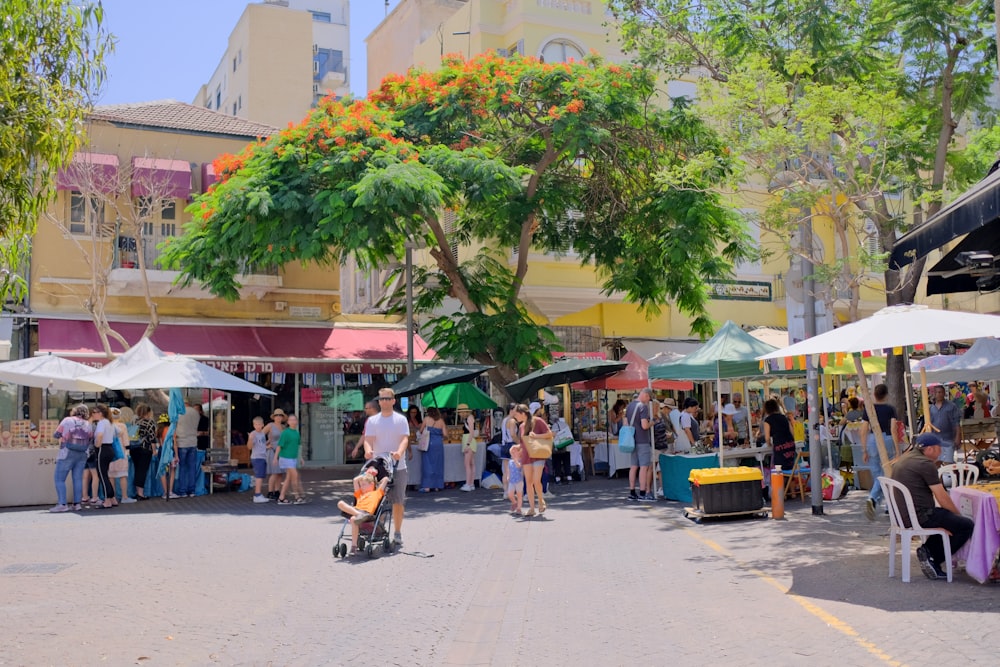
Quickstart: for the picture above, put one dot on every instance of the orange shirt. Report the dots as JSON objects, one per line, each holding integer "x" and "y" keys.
{"x": 368, "y": 502}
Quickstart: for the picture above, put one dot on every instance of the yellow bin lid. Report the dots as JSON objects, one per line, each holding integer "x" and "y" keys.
{"x": 703, "y": 476}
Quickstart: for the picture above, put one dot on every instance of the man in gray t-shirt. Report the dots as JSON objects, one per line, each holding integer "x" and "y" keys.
{"x": 947, "y": 422}
{"x": 186, "y": 436}
{"x": 637, "y": 414}
{"x": 740, "y": 420}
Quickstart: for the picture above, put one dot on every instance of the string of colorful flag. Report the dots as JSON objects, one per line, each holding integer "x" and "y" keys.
{"x": 823, "y": 360}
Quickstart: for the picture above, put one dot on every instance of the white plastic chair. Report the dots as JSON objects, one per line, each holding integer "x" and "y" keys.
{"x": 906, "y": 535}
{"x": 962, "y": 474}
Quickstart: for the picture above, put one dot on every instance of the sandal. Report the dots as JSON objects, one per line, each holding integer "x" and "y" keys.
{"x": 300, "y": 501}
{"x": 284, "y": 501}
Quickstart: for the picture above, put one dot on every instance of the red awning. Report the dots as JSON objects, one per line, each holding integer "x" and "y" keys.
{"x": 239, "y": 349}
{"x": 635, "y": 376}
{"x": 155, "y": 177}
{"x": 208, "y": 177}
{"x": 89, "y": 172}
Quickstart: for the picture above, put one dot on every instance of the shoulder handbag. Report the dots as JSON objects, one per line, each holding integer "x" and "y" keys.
{"x": 423, "y": 439}
{"x": 564, "y": 438}
{"x": 537, "y": 448}
{"x": 626, "y": 434}
{"x": 119, "y": 466}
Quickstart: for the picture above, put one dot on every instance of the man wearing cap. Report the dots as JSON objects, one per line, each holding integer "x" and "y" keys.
{"x": 637, "y": 414}
{"x": 388, "y": 432}
{"x": 917, "y": 471}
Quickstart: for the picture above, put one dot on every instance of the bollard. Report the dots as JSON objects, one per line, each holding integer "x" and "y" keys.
{"x": 777, "y": 494}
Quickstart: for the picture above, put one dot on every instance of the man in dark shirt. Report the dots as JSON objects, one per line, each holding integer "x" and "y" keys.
{"x": 917, "y": 471}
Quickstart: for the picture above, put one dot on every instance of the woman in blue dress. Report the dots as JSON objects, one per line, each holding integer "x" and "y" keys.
{"x": 432, "y": 465}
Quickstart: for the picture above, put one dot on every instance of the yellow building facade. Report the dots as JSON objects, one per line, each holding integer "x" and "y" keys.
{"x": 95, "y": 259}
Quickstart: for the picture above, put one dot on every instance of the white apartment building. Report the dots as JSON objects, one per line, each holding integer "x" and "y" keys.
{"x": 282, "y": 57}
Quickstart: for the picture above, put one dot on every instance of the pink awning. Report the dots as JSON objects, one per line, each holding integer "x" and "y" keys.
{"x": 634, "y": 377}
{"x": 157, "y": 177}
{"x": 89, "y": 172}
{"x": 239, "y": 349}
{"x": 208, "y": 177}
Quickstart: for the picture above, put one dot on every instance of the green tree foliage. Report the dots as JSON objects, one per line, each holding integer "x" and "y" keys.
{"x": 51, "y": 61}
{"x": 508, "y": 147}
{"x": 860, "y": 99}
{"x": 873, "y": 88}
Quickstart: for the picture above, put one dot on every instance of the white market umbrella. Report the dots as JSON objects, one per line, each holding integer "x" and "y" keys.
{"x": 980, "y": 362}
{"x": 146, "y": 366}
{"x": 890, "y": 327}
{"x": 49, "y": 372}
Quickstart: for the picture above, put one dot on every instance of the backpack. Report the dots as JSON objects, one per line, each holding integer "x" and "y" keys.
{"x": 663, "y": 436}
{"x": 79, "y": 437}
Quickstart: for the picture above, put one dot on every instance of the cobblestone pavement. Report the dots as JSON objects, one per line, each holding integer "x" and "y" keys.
{"x": 597, "y": 581}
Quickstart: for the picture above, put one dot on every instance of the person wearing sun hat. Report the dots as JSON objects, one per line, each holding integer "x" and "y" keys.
{"x": 917, "y": 471}
{"x": 275, "y": 475}
{"x": 469, "y": 445}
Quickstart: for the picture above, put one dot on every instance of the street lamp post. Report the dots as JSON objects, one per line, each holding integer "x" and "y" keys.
{"x": 409, "y": 307}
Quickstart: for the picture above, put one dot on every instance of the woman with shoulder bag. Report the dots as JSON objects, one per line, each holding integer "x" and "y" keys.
{"x": 141, "y": 450}
{"x": 74, "y": 434}
{"x": 104, "y": 437}
{"x": 469, "y": 445}
{"x": 535, "y": 434}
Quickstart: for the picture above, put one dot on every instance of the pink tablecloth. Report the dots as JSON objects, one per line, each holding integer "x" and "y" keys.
{"x": 981, "y": 549}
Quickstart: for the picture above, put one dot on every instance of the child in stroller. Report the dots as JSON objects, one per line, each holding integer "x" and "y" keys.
{"x": 366, "y": 514}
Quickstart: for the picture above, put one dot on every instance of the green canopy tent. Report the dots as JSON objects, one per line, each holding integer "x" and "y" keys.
{"x": 730, "y": 353}
{"x": 453, "y": 395}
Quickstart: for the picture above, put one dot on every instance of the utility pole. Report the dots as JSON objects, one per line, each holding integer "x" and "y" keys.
{"x": 812, "y": 380}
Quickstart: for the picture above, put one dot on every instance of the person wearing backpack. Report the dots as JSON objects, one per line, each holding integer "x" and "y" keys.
{"x": 74, "y": 434}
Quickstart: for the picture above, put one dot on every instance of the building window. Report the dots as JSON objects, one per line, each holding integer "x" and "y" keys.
{"x": 84, "y": 211}
{"x": 234, "y": 63}
{"x": 240, "y": 101}
{"x": 328, "y": 60}
{"x": 234, "y": 108}
{"x": 218, "y": 98}
{"x": 322, "y": 17}
{"x": 145, "y": 208}
{"x": 561, "y": 51}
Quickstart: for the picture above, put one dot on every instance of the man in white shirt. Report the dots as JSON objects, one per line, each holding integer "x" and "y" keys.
{"x": 388, "y": 432}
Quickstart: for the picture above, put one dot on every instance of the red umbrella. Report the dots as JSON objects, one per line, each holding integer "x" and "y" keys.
{"x": 635, "y": 376}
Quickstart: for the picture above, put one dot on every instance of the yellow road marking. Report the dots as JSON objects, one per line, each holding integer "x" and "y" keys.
{"x": 809, "y": 606}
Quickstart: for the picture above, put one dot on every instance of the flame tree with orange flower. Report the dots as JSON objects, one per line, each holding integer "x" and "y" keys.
{"x": 578, "y": 156}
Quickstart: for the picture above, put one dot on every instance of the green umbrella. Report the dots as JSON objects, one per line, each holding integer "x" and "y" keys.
{"x": 452, "y": 395}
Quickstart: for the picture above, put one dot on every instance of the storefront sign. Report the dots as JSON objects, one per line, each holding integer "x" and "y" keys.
{"x": 311, "y": 395}
{"x": 307, "y": 366}
{"x": 740, "y": 290}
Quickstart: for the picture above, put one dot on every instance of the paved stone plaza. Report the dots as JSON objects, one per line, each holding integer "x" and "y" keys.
{"x": 597, "y": 581}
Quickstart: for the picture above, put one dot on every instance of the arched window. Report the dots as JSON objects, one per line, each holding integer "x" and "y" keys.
{"x": 561, "y": 51}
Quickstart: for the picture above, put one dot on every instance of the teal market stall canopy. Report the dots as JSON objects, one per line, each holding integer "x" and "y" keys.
{"x": 730, "y": 353}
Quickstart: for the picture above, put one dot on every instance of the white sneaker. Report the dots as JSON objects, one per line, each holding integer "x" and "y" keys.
{"x": 126, "y": 500}
{"x": 466, "y": 487}
{"x": 260, "y": 498}
{"x": 174, "y": 495}
{"x": 59, "y": 508}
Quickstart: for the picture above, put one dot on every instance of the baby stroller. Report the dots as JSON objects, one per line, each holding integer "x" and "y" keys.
{"x": 373, "y": 536}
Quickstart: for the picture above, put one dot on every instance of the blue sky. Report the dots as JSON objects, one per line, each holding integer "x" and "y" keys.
{"x": 167, "y": 48}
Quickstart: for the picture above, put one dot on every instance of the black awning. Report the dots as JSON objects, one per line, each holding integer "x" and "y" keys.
{"x": 975, "y": 208}
{"x": 949, "y": 276}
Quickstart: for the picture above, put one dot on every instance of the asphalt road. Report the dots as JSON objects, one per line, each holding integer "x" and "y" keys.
{"x": 597, "y": 581}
